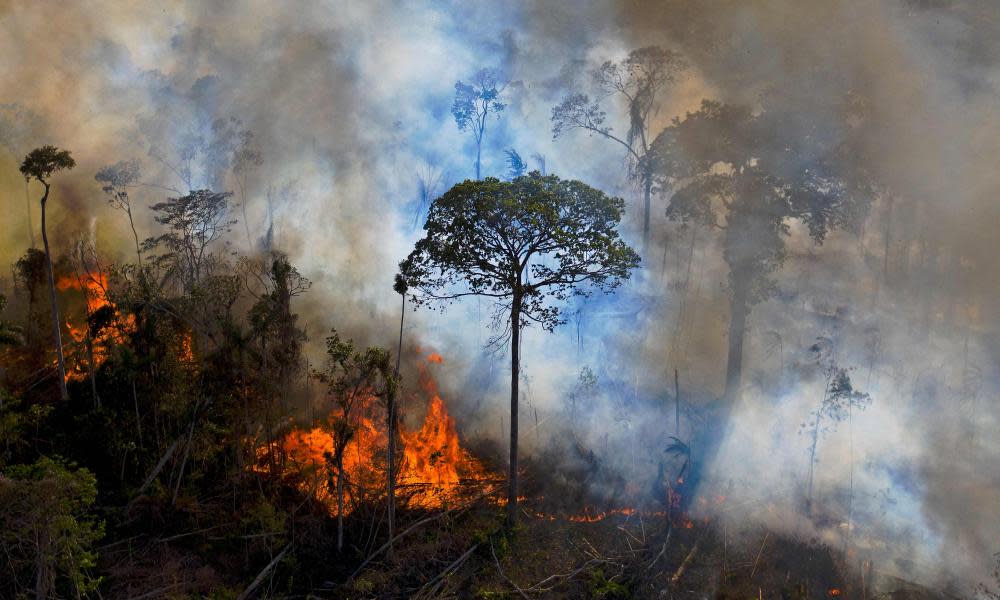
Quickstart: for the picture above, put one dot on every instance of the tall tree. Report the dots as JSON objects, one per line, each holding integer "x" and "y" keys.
{"x": 352, "y": 378}
{"x": 116, "y": 181}
{"x": 529, "y": 244}
{"x": 193, "y": 222}
{"x": 638, "y": 81}
{"x": 400, "y": 287}
{"x": 39, "y": 165}
{"x": 474, "y": 102}
{"x": 728, "y": 172}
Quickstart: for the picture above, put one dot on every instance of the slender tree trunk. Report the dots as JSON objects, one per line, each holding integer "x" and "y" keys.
{"x": 479, "y": 155}
{"x": 63, "y": 392}
{"x": 647, "y": 191}
{"x": 812, "y": 464}
{"x": 138, "y": 419}
{"x": 340, "y": 500}
{"x": 812, "y": 450}
{"x": 92, "y": 369}
{"x": 677, "y": 404}
{"x": 391, "y": 450}
{"x": 31, "y": 222}
{"x": 138, "y": 250}
{"x": 737, "y": 329}
{"x": 515, "y": 355}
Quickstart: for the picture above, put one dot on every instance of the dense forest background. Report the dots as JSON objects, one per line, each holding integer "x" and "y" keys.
{"x": 810, "y": 185}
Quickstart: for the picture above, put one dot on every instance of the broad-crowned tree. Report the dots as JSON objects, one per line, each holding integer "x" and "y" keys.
{"x": 194, "y": 222}
{"x": 637, "y": 81}
{"x": 39, "y": 165}
{"x": 529, "y": 244}
{"x": 726, "y": 170}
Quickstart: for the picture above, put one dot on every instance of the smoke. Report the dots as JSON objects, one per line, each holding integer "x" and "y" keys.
{"x": 348, "y": 104}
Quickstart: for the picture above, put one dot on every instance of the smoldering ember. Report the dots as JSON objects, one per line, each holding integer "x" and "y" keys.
{"x": 612, "y": 299}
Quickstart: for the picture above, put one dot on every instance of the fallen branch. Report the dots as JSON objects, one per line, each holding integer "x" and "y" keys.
{"x": 159, "y": 467}
{"x": 756, "y": 560}
{"x": 584, "y": 567}
{"x": 409, "y": 529}
{"x": 504, "y": 575}
{"x": 663, "y": 550}
{"x": 187, "y": 451}
{"x": 684, "y": 564}
{"x": 439, "y": 580}
{"x": 263, "y": 574}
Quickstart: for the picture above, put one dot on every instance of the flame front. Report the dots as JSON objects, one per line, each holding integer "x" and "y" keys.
{"x": 94, "y": 287}
{"x": 432, "y": 469}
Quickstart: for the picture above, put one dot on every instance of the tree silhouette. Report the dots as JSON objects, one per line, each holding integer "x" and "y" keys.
{"x": 352, "y": 377}
{"x": 839, "y": 398}
{"x": 529, "y": 244}
{"x": 516, "y": 166}
{"x": 39, "y": 165}
{"x": 117, "y": 179}
{"x": 638, "y": 80}
{"x": 193, "y": 223}
{"x": 728, "y": 174}
{"x": 474, "y": 103}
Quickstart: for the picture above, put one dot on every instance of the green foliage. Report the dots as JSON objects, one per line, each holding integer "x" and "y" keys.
{"x": 533, "y": 240}
{"x": 40, "y": 163}
{"x": 46, "y": 532}
{"x": 600, "y": 587}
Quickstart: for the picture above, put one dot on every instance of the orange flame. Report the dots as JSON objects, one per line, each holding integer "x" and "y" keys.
{"x": 433, "y": 467}
{"x": 94, "y": 287}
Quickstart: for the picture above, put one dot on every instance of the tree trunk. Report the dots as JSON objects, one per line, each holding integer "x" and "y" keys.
{"x": 31, "y": 223}
{"x": 815, "y": 442}
{"x": 479, "y": 154}
{"x": 737, "y": 329}
{"x": 812, "y": 463}
{"x": 677, "y": 404}
{"x": 92, "y": 369}
{"x": 135, "y": 236}
{"x": 647, "y": 191}
{"x": 515, "y": 351}
{"x": 63, "y": 392}
{"x": 391, "y": 449}
{"x": 340, "y": 500}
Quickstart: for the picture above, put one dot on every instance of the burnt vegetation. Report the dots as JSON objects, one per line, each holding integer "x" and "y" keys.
{"x": 165, "y": 432}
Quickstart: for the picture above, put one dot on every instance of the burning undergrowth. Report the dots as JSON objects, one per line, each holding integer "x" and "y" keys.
{"x": 434, "y": 470}
{"x": 101, "y": 326}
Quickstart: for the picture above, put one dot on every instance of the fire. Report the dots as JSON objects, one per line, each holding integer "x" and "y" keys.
{"x": 94, "y": 287}
{"x": 432, "y": 470}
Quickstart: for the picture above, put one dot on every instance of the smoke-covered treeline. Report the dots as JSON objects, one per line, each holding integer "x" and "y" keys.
{"x": 863, "y": 404}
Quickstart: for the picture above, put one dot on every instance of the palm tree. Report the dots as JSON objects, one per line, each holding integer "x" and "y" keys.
{"x": 39, "y": 164}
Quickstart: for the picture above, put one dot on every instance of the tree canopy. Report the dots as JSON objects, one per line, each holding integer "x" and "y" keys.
{"x": 537, "y": 237}
{"x": 40, "y": 163}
